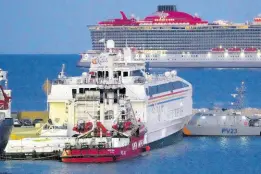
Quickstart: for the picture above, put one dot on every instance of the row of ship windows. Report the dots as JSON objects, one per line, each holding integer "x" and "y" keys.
{"x": 254, "y": 38}
{"x": 178, "y": 36}
{"x": 171, "y": 47}
{"x": 220, "y": 58}
{"x": 181, "y": 31}
{"x": 175, "y": 33}
{"x": 188, "y": 42}
{"x": 172, "y": 36}
{"x": 174, "y": 49}
{"x": 148, "y": 40}
{"x": 152, "y": 90}
{"x": 223, "y": 41}
{"x": 149, "y": 57}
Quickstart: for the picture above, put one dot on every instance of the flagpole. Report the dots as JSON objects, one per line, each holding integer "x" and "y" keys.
{"x": 47, "y": 92}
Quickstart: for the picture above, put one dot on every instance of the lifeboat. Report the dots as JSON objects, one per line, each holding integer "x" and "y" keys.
{"x": 257, "y": 20}
{"x": 122, "y": 126}
{"x": 83, "y": 127}
{"x": 234, "y": 50}
{"x": 218, "y": 50}
{"x": 250, "y": 50}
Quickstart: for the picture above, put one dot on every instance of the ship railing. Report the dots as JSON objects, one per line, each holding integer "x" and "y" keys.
{"x": 84, "y": 97}
{"x": 100, "y": 81}
{"x": 161, "y": 77}
{"x": 133, "y": 80}
{"x": 68, "y": 80}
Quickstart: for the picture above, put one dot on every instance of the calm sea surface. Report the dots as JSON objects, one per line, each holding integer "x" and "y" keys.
{"x": 199, "y": 155}
{"x": 27, "y": 74}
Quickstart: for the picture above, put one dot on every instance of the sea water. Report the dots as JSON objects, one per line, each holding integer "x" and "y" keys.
{"x": 26, "y": 76}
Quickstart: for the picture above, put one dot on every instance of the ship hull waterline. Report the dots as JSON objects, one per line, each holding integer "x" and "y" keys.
{"x": 105, "y": 155}
{"x": 164, "y": 142}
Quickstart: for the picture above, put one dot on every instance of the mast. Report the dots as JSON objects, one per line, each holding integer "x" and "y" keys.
{"x": 239, "y": 97}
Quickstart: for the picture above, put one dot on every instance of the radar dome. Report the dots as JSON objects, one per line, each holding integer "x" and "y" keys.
{"x": 167, "y": 74}
{"x": 173, "y": 73}
{"x": 110, "y": 44}
{"x": 84, "y": 74}
{"x": 85, "y": 56}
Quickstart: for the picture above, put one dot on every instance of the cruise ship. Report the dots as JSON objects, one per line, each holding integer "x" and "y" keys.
{"x": 170, "y": 38}
{"x": 162, "y": 102}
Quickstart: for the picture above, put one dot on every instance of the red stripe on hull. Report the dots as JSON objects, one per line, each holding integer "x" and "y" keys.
{"x": 167, "y": 94}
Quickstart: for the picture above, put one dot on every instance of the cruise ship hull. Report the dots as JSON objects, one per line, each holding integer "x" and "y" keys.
{"x": 206, "y": 64}
{"x": 195, "y": 64}
{"x": 5, "y": 131}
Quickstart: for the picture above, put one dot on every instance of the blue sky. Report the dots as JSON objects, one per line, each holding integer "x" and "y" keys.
{"x": 59, "y": 26}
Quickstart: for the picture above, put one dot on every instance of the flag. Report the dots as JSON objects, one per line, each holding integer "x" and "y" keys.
{"x": 47, "y": 86}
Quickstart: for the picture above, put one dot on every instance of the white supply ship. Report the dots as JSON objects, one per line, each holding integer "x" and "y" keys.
{"x": 162, "y": 102}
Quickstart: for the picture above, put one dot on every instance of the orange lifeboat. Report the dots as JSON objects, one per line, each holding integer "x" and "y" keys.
{"x": 250, "y": 50}
{"x": 122, "y": 126}
{"x": 83, "y": 127}
{"x": 218, "y": 50}
{"x": 234, "y": 50}
{"x": 257, "y": 19}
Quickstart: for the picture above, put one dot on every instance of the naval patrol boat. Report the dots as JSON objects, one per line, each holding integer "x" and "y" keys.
{"x": 225, "y": 122}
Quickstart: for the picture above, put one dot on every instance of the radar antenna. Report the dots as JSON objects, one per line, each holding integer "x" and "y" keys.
{"x": 62, "y": 73}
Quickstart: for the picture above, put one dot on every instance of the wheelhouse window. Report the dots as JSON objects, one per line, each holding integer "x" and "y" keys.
{"x": 125, "y": 74}
{"x": 171, "y": 86}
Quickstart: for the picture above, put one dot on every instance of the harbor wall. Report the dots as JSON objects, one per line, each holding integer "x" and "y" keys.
{"x": 32, "y": 115}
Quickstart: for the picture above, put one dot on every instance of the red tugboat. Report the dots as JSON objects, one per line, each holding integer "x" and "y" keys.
{"x": 92, "y": 147}
{"x": 100, "y": 145}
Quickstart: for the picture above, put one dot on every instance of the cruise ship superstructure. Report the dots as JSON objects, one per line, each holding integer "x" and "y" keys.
{"x": 170, "y": 38}
{"x": 162, "y": 102}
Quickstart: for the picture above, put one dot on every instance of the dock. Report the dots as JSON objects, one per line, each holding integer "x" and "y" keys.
{"x": 43, "y": 148}
{"x": 55, "y": 155}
